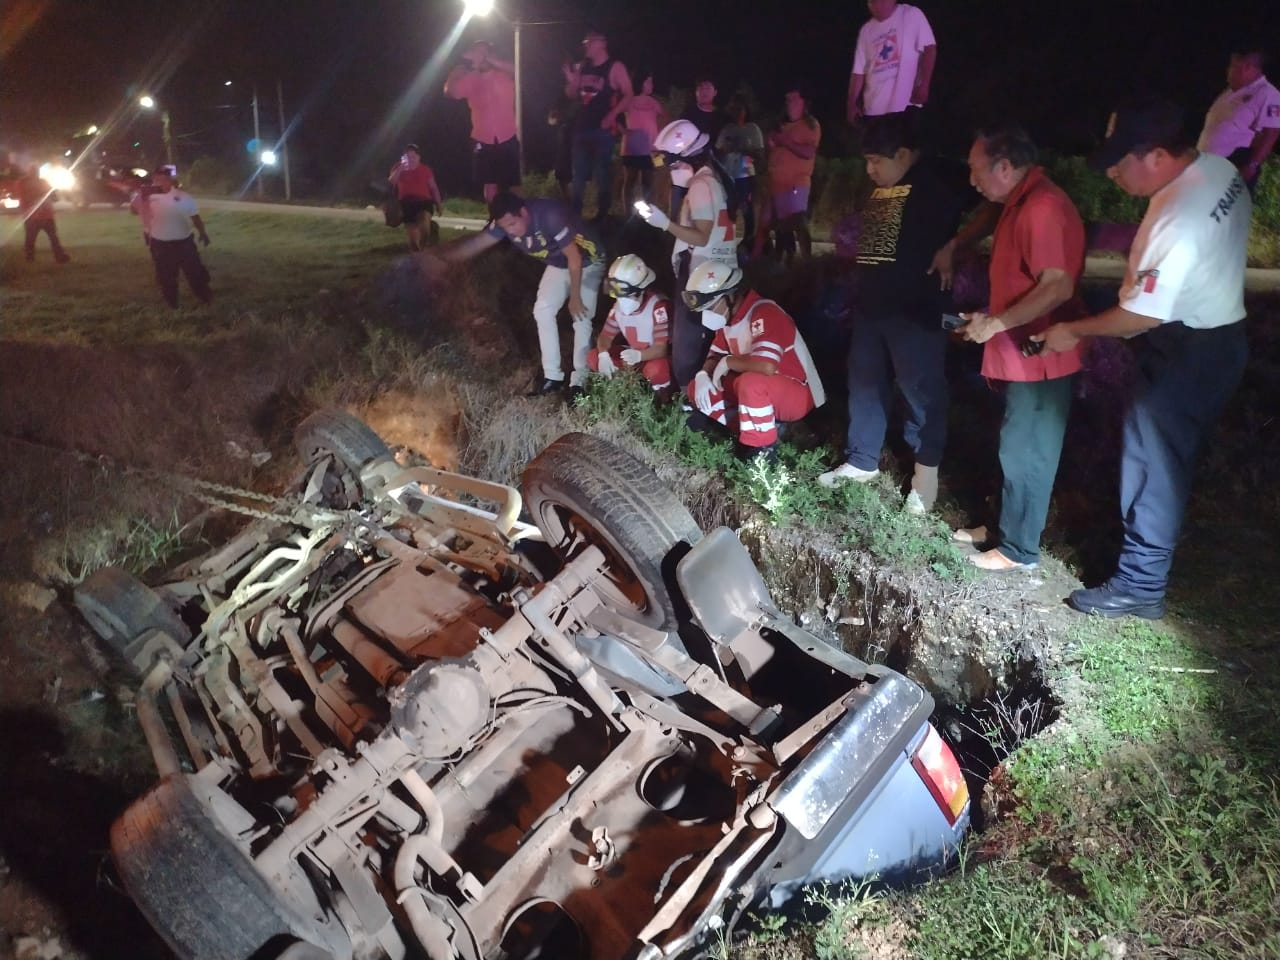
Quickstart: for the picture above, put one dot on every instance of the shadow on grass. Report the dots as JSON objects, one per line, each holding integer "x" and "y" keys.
{"x": 54, "y": 826}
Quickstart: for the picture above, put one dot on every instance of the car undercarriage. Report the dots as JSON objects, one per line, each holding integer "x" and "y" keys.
{"x": 393, "y": 719}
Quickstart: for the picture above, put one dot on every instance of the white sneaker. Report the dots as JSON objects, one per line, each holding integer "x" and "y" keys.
{"x": 846, "y": 471}
{"x": 914, "y": 505}
{"x": 972, "y": 536}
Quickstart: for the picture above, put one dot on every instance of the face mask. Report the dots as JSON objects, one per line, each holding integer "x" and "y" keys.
{"x": 628, "y": 304}
{"x": 712, "y": 320}
{"x": 681, "y": 174}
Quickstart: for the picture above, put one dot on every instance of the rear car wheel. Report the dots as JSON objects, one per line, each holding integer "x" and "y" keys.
{"x": 349, "y": 442}
{"x": 585, "y": 491}
{"x": 198, "y": 890}
{"x": 120, "y": 608}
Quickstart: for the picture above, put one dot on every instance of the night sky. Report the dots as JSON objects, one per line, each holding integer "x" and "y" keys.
{"x": 1054, "y": 65}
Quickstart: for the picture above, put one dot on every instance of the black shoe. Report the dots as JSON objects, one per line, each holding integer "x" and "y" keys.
{"x": 699, "y": 422}
{"x": 576, "y": 393}
{"x": 546, "y": 386}
{"x": 767, "y": 455}
{"x": 1107, "y": 601}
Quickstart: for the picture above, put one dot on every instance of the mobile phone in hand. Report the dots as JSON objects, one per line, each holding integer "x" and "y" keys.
{"x": 1029, "y": 348}
{"x": 951, "y": 321}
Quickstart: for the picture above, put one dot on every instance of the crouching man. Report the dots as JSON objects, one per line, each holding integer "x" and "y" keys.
{"x": 641, "y": 316}
{"x": 758, "y": 372}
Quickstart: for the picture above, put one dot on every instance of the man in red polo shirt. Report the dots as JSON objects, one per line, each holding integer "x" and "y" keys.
{"x": 1037, "y": 257}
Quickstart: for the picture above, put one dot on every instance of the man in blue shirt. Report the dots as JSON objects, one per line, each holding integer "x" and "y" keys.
{"x": 547, "y": 230}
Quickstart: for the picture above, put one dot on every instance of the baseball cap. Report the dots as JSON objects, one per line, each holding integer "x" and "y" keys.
{"x": 1138, "y": 123}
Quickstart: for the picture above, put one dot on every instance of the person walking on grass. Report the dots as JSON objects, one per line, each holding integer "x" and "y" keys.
{"x": 1182, "y": 310}
{"x": 1037, "y": 258}
{"x": 415, "y": 185}
{"x": 174, "y": 221}
{"x": 35, "y": 202}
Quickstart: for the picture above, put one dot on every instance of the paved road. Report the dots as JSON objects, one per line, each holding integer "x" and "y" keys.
{"x": 1257, "y": 280}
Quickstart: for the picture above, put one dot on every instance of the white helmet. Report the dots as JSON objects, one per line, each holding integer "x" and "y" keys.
{"x": 709, "y": 282}
{"x": 628, "y": 277}
{"x": 680, "y": 138}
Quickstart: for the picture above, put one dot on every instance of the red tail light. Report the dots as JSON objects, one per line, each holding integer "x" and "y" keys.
{"x": 940, "y": 772}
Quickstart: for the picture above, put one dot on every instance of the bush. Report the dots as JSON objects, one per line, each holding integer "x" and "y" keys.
{"x": 213, "y": 176}
{"x": 1096, "y": 197}
{"x": 839, "y": 186}
{"x": 1266, "y": 198}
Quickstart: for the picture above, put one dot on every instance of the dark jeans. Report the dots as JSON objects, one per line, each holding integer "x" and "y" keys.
{"x": 33, "y": 228}
{"x": 743, "y": 197}
{"x": 593, "y": 158}
{"x": 172, "y": 256}
{"x": 1035, "y": 419}
{"x": 1241, "y": 156}
{"x": 689, "y": 338}
{"x": 908, "y": 350}
{"x": 1185, "y": 378}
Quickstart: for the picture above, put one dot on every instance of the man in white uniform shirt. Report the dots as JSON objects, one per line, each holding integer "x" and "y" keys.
{"x": 171, "y": 216}
{"x": 1244, "y": 122}
{"x": 892, "y": 62}
{"x": 1182, "y": 303}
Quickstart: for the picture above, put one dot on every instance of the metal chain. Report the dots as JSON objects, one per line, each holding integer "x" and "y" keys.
{"x": 290, "y": 510}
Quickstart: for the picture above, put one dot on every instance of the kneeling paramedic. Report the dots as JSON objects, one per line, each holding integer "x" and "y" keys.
{"x": 758, "y": 372}
{"x": 641, "y": 316}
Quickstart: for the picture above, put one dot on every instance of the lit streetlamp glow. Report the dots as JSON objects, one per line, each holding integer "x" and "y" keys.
{"x": 478, "y": 8}
{"x": 146, "y": 102}
{"x": 268, "y": 158}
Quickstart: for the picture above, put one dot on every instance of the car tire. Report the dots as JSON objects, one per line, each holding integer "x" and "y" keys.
{"x": 583, "y": 489}
{"x": 120, "y": 608}
{"x": 351, "y": 443}
{"x": 197, "y": 889}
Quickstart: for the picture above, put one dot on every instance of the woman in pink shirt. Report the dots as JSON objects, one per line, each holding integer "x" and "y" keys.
{"x": 645, "y": 117}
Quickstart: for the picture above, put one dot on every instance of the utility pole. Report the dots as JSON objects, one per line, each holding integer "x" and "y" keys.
{"x": 284, "y": 139}
{"x": 168, "y": 141}
{"x": 257, "y": 142}
{"x": 519, "y": 106}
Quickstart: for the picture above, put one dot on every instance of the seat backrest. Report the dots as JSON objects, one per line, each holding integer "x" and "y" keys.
{"x": 723, "y": 588}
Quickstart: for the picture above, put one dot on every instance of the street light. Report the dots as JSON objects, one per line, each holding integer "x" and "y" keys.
{"x": 478, "y": 8}
{"x": 148, "y": 103}
{"x": 268, "y": 158}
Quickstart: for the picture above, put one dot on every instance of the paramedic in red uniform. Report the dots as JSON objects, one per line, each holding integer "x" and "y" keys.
{"x": 641, "y": 316}
{"x": 758, "y": 372}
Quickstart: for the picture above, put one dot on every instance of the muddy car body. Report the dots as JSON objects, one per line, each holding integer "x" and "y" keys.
{"x": 391, "y": 722}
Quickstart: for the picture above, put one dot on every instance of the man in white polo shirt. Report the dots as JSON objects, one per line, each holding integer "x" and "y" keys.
{"x": 892, "y": 62}
{"x": 172, "y": 214}
{"x": 1182, "y": 303}
{"x": 1244, "y": 122}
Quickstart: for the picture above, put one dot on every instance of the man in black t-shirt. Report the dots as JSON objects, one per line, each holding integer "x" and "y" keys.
{"x": 913, "y": 211}
{"x": 548, "y": 231}
{"x": 601, "y": 87}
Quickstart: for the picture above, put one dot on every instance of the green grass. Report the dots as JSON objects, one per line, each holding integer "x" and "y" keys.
{"x": 868, "y": 516}
{"x": 276, "y": 267}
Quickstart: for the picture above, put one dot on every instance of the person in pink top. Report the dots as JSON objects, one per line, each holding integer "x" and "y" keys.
{"x": 415, "y": 185}
{"x": 1037, "y": 258}
{"x": 645, "y": 116}
{"x": 488, "y": 84}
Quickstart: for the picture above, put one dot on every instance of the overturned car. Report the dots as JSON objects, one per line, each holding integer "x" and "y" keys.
{"x": 392, "y": 719}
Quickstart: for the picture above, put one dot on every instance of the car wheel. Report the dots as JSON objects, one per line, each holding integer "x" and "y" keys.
{"x": 198, "y": 890}
{"x": 584, "y": 491}
{"x": 120, "y": 608}
{"x": 349, "y": 441}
